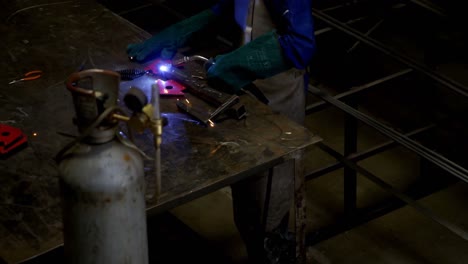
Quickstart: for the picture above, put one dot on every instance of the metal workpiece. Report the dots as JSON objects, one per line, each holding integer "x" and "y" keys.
{"x": 200, "y": 88}
{"x": 228, "y": 148}
{"x": 207, "y": 103}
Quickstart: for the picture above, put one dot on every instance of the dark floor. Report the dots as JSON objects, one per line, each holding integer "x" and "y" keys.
{"x": 169, "y": 241}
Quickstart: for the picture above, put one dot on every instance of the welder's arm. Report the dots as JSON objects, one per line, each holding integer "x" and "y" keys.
{"x": 291, "y": 45}
{"x": 259, "y": 59}
{"x": 165, "y": 43}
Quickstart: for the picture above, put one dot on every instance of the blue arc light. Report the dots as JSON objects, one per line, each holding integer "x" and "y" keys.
{"x": 164, "y": 68}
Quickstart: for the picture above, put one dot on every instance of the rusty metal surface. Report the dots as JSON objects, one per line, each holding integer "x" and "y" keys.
{"x": 58, "y": 39}
{"x": 300, "y": 206}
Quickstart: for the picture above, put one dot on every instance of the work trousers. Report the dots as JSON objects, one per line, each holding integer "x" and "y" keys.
{"x": 253, "y": 217}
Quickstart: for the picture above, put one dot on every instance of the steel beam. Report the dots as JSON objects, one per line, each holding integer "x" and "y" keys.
{"x": 354, "y": 90}
{"x": 428, "y": 5}
{"x": 363, "y": 155}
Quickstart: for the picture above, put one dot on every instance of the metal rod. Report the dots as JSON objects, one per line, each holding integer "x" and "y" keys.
{"x": 369, "y": 213}
{"x": 354, "y": 2}
{"x": 435, "y": 158}
{"x": 390, "y": 189}
{"x": 382, "y": 80}
{"x": 441, "y": 79}
{"x": 320, "y": 105}
{"x": 331, "y": 8}
{"x": 170, "y": 10}
{"x": 134, "y": 9}
{"x": 185, "y": 59}
{"x": 350, "y": 175}
{"x": 327, "y": 29}
{"x": 430, "y": 6}
{"x": 266, "y": 205}
{"x": 363, "y": 155}
{"x": 372, "y": 29}
{"x": 157, "y": 132}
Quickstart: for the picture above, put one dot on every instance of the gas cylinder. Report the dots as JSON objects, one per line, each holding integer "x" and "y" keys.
{"x": 102, "y": 180}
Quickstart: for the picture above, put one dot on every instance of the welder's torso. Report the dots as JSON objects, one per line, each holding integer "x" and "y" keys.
{"x": 286, "y": 90}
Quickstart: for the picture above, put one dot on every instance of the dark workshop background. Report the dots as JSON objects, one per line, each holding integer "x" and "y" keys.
{"x": 401, "y": 63}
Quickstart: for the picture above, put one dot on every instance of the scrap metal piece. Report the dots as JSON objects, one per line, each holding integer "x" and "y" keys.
{"x": 11, "y": 139}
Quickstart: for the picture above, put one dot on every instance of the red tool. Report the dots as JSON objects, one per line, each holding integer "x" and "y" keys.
{"x": 32, "y": 75}
{"x": 11, "y": 139}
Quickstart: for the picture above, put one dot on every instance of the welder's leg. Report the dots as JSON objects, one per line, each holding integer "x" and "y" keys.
{"x": 247, "y": 217}
{"x": 286, "y": 95}
{"x": 253, "y": 217}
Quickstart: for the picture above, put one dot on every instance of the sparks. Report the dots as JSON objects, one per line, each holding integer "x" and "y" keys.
{"x": 212, "y": 124}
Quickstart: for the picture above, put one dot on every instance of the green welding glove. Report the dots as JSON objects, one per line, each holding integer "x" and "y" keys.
{"x": 258, "y": 59}
{"x": 166, "y": 42}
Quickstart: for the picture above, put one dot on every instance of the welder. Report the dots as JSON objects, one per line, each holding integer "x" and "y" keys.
{"x": 277, "y": 46}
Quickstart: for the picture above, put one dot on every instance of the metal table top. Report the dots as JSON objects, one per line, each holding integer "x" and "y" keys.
{"x": 196, "y": 160}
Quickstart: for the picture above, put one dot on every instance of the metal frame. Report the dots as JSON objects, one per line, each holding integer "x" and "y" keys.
{"x": 410, "y": 62}
{"x": 353, "y": 215}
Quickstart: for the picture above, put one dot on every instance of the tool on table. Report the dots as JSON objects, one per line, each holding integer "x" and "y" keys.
{"x": 181, "y": 61}
{"x": 131, "y": 74}
{"x": 203, "y": 112}
{"x": 32, "y": 75}
{"x": 166, "y": 87}
{"x": 11, "y": 140}
{"x": 172, "y": 81}
{"x": 215, "y": 102}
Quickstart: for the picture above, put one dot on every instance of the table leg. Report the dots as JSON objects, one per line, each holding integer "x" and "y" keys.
{"x": 300, "y": 206}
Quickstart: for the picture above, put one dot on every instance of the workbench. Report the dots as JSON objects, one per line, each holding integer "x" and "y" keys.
{"x": 64, "y": 37}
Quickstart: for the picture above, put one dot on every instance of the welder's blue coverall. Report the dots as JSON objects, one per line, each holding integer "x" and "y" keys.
{"x": 293, "y": 22}
{"x": 279, "y": 45}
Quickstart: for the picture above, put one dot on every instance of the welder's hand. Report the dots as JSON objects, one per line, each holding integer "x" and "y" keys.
{"x": 259, "y": 59}
{"x": 165, "y": 43}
